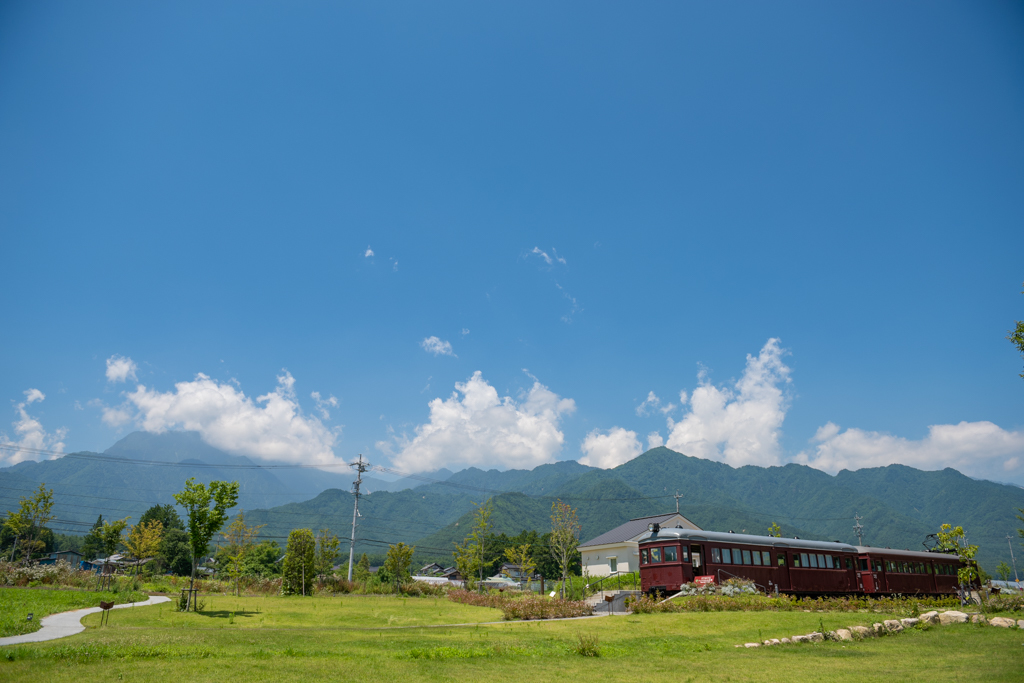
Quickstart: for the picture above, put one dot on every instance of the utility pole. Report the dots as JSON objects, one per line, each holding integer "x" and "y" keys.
{"x": 858, "y": 529}
{"x": 360, "y": 468}
{"x": 677, "y": 497}
{"x": 1009, "y": 542}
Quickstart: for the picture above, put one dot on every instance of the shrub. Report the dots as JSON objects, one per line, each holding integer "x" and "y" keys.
{"x": 586, "y": 645}
{"x": 524, "y": 606}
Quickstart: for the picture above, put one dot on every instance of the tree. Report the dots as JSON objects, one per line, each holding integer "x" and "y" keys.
{"x": 203, "y": 520}
{"x": 92, "y": 545}
{"x": 397, "y": 563}
{"x": 110, "y": 535}
{"x": 953, "y": 539}
{"x": 522, "y": 558}
{"x": 1003, "y": 570}
{"x": 565, "y": 537}
{"x": 1016, "y": 337}
{"x": 240, "y": 539}
{"x": 775, "y": 530}
{"x": 143, "y": 540}
{"x": 1020, "y": 532}
{"x": 166, "y": 514}
{"x": 263, "y": 559}
{"x": 327, "y": 545}
{"x": 299, "y": 568}
{"x": 28, "y": 523}
{"x": 362, "y": 570}
{"x": 470, "y": 555}
{"x": 176, "y": 553}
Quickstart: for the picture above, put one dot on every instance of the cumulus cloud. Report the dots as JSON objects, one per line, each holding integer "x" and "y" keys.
{"x": 654, "y": 440}
{"x": 29, "y": 435}
{"x": 609, "y": 449}
{"x": 116, "y": 417}
{"x": 322, "y": 404}
{"x": 121, "y": 369}
{"x": 476, "y": 427}
{"x": 272, "y": 427}
{"x": 739, "y": 425}
{"x": 437, "y": 347}
{"x": 465, "y": 331}
{"x": 978, "y": 449}
{"x": 368, "y": 253}
{"x": 652, "y": 403}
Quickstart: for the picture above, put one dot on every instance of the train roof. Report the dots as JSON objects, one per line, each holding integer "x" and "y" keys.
{"x": 672, "y": 534}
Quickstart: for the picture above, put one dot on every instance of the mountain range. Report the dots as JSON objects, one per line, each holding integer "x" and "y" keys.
{"x": 898, "y": 506}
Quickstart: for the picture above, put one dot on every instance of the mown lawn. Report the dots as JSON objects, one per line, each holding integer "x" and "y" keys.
{"x": 386, "y": 638}
{"x": 17, "y": 603}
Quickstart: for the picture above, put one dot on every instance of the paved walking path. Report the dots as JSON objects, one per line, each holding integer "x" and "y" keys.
{"x": 69, "y": 623}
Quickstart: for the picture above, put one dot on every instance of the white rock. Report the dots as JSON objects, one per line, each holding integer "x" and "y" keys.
{"x": 751, "y": 644}
{"x": 930, "y": 617}
{"x": 978, "y": 619}
{"x": 801, "y": 639}
{"x": 787, "y": 641}
{"x": 844, "y": 634}
{"x": 893, "y": 626}
{"x": 862, "y": 631}
{"x": 1020, "y": 623}
{"x": 776, "y": 641}
{"x": 816, "y": 637}
{"x": 952, "y": 617}
{"x": 1002, "y": 622}
{"x": 910, "y": 623}
{"x": 878, "y": 628}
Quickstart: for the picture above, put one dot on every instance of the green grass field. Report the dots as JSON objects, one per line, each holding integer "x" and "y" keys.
{"x": 387, "y": 638}
{"x": 17, "y": 603}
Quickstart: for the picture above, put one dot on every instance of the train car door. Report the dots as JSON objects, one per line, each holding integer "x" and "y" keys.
{"x": 865, "y": 579}
{"x": 697, "y": 560}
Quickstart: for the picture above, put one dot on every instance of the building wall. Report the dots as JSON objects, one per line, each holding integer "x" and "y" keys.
{"x": 596, "y": 559}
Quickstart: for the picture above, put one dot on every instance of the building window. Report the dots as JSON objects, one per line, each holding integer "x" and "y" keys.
{"x": 613, "y": 564}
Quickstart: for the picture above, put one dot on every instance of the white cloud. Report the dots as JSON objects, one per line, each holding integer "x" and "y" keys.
{"x": 116, "y": 417}
{"x": 273, "y": 427}
{"x": 652, "y": 403}
{"x": 323, "y": 403}
{"x": 30, "y": 435}
{"x": 437, "y": 347}
{"x": 978, "y": 449}
{"x": 476, "y": 427}
{"x": 610, "y": 449}
{"x": 368, "y": 253}
{"x": 465, "y": 331}
{"x": 121, "y": 369}
{"x": 543, "y": 255}
{"x": 654, "y": 440}
{"x": 739, "y": 425}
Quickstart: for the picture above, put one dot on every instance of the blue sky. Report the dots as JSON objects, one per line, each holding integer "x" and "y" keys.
{"x": 587, "y": 202}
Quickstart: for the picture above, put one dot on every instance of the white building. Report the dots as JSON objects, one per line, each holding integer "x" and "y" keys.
{"x": 617, "y": 550}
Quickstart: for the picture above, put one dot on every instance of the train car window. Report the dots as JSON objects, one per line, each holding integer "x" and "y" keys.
{"x": 821, "y": 561}
{"x": 813, "y": 561}
{"x": 686, "y": 554}
{"x": 643, "y": 556}
{"x": 849, "y": 563}
{"x": 804, "y": 562}
{"x": 726, "y": 556}
{"x": 767, "y": 557}
{"x": 878, "y": 565}
{"x": 888, "y": 566}
{"x": 828, "y": 562}
{"x": 737, "y": 558}
{"x": 928, "y": 569}
{"x": 757, "y": 557}
{"x": 670, "y": 553}
{"x": 716, "y": 555}
{"x": 862, "y": 564}
{"x": 655, "y": 554}
{"x": 782, "y": 559}
{"x": 746, "y": 557}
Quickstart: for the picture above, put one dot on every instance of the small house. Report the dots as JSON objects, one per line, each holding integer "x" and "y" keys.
{"x": 617, "y": 551}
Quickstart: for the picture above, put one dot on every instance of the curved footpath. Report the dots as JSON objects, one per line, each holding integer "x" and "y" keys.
{"x": 69, "y": 623}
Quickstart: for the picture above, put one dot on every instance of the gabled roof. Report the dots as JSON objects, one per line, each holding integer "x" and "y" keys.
{"x": 633, "y": 528}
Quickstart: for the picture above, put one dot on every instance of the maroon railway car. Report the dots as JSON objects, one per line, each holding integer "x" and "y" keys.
{"x": 672, "y": 557}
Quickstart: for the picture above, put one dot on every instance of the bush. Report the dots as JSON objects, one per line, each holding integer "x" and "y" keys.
{"x": 586, "y": 646}
{"x": 524, "y": 606}
{"x": 755, "y": 602}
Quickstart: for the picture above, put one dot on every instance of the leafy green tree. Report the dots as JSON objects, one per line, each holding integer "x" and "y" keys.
{"x": 299, "y": 567}
{"x": 143, "y": 540}
{"x": 1003, "y": 570}
{"x": 263, "y": 560}
{"x": 470, "y": 555}
{"x": 522, "y": 557}
{"x": 565, "y": 537}
{"x": 362, "y": 571}
{"x": 28, "y": 523}
{"x": 953, "y": 539}
{"x": 397, "y": 563}
{"x": 176, "y": 553}
{"x": 206, "y": 508}
{"x": 92, "y": 546}
{"x": 1016, "y": 337}
{"x": 327, "y": 545}
{"x": 240, "y": 538}
{"x": 110, "y": 535}
{"x": 775, "y": 530}
{"x": 165, "y": 514}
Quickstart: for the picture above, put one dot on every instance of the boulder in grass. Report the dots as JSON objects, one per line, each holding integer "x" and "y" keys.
{"x": 1020, "y": 623}
{"x": 930, "y": 617}
{"x": 1002, "y": 622}
{"x": 862, "y": 631}
{"x": 844, "y": 634}
{"x": 910, "y": 623}
{"x": 787, "y": 641}
{"x": 978, "y": 619}
{"x": 801, "y": 639}
{"x": 878, "y": 628}
{"x": 776, "y": 641}
{"x": 952, "y": 617}
{"x": 893, "y": 626}
{"x": 751, "y": 644}
{"x": 816, "y": 637}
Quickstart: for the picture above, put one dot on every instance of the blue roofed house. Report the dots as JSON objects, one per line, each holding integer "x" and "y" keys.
{"x": 618, "y": 551}
{"x": 70, "y": 556}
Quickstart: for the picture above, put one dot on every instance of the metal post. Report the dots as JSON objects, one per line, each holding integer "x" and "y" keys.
{"x": 858, "y": 529}
{"x": 677, "y": 497}
{"x": 360, "y": 468}
{"x": 1009, "y": 543}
